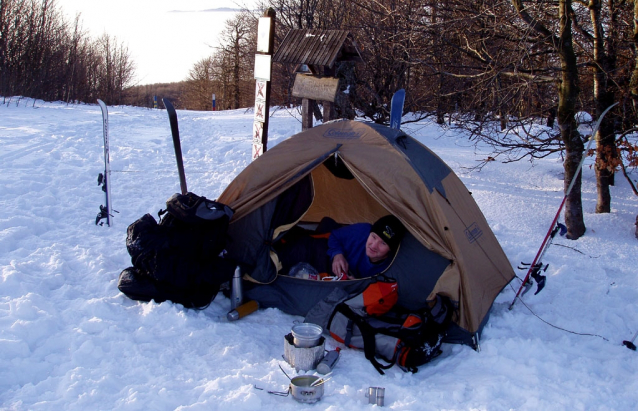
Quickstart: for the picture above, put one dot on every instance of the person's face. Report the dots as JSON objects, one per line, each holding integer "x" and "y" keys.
{"x": 376, "y": 248}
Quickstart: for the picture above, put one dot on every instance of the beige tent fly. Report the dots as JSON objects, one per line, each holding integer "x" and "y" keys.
{"x": 449, "y": 249}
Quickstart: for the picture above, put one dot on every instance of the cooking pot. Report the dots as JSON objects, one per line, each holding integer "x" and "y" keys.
{"x": 301, "y": 390}
{"x": 307, "y": 389}
{"x": 306, "y": 335}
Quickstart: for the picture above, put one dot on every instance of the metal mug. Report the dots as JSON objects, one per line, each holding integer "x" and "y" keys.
{"x": 376, "y": 395}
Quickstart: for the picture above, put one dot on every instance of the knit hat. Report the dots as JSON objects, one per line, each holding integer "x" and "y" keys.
{"x": 390, "y": 230}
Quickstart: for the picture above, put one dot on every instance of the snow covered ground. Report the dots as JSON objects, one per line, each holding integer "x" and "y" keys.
{"x": 69, "y": 340}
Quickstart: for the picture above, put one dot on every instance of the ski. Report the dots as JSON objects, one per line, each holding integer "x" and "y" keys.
{"x": 104, "y": 180}
{"x": 396, "y": 109}
{"x": 172, "y": 118}
{"x": 536, "y": 266}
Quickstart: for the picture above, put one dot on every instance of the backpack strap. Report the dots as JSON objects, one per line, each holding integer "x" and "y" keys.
{"x": 367, "y": 333}
{"x": 349, "y": 328}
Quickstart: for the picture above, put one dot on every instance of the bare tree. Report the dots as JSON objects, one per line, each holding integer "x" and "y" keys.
{"x": 201, "y": 85}
{"x": 43, "y": 56}
{"x": 603, "y": 38}
{"x": 237, "y": 48}
{"x": 115, "y": 69}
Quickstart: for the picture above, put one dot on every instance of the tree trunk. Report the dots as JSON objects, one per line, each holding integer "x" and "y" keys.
{"x": 604, "y": 63}
{"x": 568, "y": 92}
{"x": 236, "y": 76}
{"x": 573, "y": 204}
{"x": 306, "y": 114}
{"x": 633, "y": 84}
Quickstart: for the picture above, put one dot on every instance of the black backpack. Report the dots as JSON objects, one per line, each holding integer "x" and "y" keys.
{"x": 179, "y": 258}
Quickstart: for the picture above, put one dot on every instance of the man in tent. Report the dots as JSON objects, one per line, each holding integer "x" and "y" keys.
{"x": 363, "y": 250}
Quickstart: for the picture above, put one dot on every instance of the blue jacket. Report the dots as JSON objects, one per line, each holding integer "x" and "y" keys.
{"x": 351, "y": 242}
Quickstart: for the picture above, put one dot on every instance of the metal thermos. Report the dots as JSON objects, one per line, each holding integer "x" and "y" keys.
{"x": 243, "y": 310}
{"x": 236, "y": 292}
{"x": 329, "y": 360}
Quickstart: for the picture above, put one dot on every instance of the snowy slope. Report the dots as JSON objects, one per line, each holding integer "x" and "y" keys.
{"x": 69, "y": 340}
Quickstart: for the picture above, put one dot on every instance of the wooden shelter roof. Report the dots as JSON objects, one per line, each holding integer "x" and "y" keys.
{"x": 317, "y": 47}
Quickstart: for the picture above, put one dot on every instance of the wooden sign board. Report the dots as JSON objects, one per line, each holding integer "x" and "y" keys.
{"x": 315, "y": 88}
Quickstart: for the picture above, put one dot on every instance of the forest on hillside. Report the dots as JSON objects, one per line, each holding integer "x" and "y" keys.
{"x": 492, "y": 59}
{"x": 499, "y": 69}
{"x": 513, "y": 74}
{"x": 44, "y": 56}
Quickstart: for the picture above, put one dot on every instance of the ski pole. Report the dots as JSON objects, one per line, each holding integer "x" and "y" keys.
{"x": 543, "y": 246}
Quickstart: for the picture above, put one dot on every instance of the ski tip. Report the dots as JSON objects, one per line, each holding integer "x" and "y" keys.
{"x": 168, "y": 104}
{"x": 399, "y": 93}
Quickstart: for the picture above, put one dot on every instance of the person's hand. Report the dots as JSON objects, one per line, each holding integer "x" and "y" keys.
{"x": 339, "y": 265}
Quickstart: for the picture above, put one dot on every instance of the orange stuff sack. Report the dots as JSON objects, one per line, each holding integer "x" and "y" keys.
{"x": 377, "y": 299}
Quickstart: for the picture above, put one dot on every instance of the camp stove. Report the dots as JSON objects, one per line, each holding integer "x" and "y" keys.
{"x": 304, "y": 346}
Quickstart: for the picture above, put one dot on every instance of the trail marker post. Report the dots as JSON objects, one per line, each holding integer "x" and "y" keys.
{"x": 263, "y": 70}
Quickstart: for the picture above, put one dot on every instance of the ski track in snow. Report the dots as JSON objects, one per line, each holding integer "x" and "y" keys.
{"x": 70, "y": 340}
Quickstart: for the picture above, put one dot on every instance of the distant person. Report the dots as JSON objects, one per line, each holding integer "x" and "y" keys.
{"x": 363, "y": 250}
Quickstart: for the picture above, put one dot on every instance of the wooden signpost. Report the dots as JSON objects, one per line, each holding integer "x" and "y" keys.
{"x": 315, "y": 88}
{"x": 263, "y": 69}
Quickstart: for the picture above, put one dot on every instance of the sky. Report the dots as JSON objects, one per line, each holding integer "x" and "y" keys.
{"x": 165, "y": 38}
{"x": 69, "y": 340}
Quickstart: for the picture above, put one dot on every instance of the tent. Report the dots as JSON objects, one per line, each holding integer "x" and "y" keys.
{"x": 357, "y": 172}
